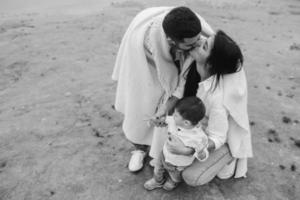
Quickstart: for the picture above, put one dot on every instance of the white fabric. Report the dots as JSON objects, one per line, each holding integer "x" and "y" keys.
{"x": 239, "y": 135}
{"x": 215, "y": 111}
{"x": 226, "y": 108}
{"x": 142, "y": 87}
{"x": 194, "y": 138}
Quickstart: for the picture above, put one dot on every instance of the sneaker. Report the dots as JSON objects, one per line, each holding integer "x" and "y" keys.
{"x": 153, "y": 184}
{"x": 136, "y": 161}
{"x": 170, "y": 184}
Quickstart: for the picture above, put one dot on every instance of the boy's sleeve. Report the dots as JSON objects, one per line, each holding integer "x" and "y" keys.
{"x": 200, "y": 147}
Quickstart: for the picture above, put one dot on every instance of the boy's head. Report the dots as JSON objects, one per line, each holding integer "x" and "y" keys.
{"x": 183, "y": 27}
{"x": 189, "y": 111}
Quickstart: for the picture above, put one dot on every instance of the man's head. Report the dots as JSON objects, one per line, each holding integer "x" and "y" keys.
{"x": 183, "y": 27}
{"x": 188, "y": 112}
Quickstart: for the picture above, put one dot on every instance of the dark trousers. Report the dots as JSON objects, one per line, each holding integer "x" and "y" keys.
{"x": 141, "y": 147}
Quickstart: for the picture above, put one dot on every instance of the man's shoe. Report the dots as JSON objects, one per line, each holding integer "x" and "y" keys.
{"x": 137, "y": 160}
{"x": 153, "y": 184}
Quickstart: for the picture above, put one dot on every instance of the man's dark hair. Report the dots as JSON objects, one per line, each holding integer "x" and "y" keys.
{"x": 180, "y": 23}
{"x": 225, "y": 57}
{"x": 191, "y": 109}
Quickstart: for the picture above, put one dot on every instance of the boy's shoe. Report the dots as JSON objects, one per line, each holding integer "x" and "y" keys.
{"x": 170, "y": 184}
{"x": 152, "y": 184}
{"x": 137, "y": 160}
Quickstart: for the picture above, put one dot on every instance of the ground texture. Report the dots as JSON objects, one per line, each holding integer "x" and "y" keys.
{"x": 61, "y": 139}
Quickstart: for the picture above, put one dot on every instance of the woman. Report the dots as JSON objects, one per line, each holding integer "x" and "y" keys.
{"x": 223, "y": 89}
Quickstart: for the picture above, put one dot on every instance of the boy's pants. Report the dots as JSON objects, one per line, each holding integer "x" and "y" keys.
{"x": 161, "y": 167}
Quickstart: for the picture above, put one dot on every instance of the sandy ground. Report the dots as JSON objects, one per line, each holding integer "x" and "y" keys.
{"x": 59, "y": 136}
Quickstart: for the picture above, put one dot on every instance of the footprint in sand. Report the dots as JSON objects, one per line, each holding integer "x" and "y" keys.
{"x": 274, "y": 13}
{"x": 97, "y": 133}
{"x": 290, "y": 96}
{"x": 3, "y": 164}
{"x": 12, "y": 73}
{"x": 273, "y": 136}
{"x": 286, "y": 120}
{"x": 295, "y": 47}
{"x": 293, "y": 167}
{"x": 292, "y": 12}
{"x": 296, "y": 141}
{"x": 106, "y": 115}
{"x": 8, "y": 25}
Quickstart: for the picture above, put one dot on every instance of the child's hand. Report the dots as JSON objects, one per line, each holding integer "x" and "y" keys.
{"x": 159, "y": 121}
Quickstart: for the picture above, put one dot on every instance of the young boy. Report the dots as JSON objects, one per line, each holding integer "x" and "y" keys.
{"x": 183, "y": 125}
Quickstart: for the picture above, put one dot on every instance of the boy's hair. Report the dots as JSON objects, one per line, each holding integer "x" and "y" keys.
{"x": 191, "y": 109}
{"x": 180, "y": 23}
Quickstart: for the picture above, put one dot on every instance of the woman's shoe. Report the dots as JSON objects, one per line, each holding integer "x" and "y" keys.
{"x": 137, "y": 160}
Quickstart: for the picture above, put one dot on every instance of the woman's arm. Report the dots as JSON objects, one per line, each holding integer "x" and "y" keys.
{"x": 217, "y": 127}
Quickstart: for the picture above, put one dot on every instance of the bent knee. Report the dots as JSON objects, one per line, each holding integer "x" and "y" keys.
{"x": 199, "y": 180}
{"x": 224, "y": 175}
{"x": 227, "y": 171}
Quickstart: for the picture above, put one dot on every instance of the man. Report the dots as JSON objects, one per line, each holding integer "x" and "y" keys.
{"x": 150, "y": 59}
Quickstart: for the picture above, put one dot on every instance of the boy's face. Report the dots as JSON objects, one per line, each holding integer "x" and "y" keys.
{"x": 179, "y": 121}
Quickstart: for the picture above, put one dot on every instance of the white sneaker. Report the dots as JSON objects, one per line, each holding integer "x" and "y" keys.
{"x": 137, "y": 160}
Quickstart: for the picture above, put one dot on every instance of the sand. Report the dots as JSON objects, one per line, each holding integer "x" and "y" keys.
{"x": 60, "y": 137}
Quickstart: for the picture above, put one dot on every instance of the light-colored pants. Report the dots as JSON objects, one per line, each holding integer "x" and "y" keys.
{"x": 220, "y": 162}
{"x": 161, "y": 167}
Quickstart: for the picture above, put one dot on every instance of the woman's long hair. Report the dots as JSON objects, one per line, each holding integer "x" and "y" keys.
{"x": 225, "y": 56}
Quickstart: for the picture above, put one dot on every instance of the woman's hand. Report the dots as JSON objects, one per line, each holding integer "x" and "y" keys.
{"x": 211, "y": 145}
{"x": 176, "y": 146}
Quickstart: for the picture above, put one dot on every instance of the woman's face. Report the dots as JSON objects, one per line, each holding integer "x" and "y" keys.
{"x": 201, "y": 53}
